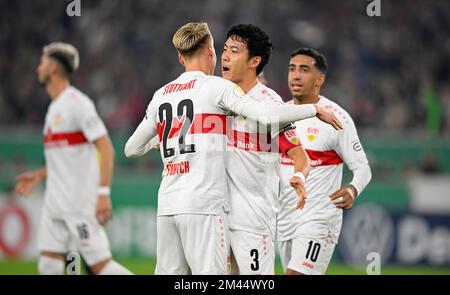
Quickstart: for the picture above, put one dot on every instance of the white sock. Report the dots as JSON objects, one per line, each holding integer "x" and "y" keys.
{"x": 50, "y": 266}
{"x": 113, "y": 268}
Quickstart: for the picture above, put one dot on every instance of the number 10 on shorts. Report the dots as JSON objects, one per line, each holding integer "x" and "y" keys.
{"x": 313, "y": 251}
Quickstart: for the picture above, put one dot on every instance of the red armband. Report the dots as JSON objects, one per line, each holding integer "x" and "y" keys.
{"x": 287, "y": 139}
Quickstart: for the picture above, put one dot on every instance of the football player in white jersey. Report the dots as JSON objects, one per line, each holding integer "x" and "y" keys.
{"x": 253, "y": 166}
{"x": 307, "y": 237}
{"x": 77, "y": 202}
{"x": 189, "y": 116}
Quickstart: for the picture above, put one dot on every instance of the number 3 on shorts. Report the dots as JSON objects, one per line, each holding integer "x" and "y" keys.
{"x": 254, "y": 254}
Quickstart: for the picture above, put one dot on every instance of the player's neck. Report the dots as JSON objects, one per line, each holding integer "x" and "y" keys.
{"x": 56, "y": 87}
{"x": 248, "y": 83}
{"x": 198, "y": 65}
{"x": 305, "y": 100}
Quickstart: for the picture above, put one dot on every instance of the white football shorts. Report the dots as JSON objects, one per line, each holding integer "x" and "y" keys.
{"x": 309, "y": 251}
{"x": 84, "y": 233}
{"x": 196, "y": 244}
{"x": 252, "y": 254}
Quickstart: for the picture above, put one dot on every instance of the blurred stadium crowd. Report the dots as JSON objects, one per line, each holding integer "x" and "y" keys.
{"x": 390, "y": 72}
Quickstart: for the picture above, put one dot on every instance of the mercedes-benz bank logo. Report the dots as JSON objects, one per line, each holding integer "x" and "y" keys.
{"x": 367, "y": 228}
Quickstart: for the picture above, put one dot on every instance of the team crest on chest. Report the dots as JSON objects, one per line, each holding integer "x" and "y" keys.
{"x": 57, "y": 119}
{"x": 312, "y": 133}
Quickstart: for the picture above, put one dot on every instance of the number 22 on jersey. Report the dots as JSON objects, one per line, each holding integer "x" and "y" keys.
{"x": 184, "y": 109}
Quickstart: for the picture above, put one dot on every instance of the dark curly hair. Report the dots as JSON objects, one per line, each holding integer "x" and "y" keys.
{"x": 257, "y": 41}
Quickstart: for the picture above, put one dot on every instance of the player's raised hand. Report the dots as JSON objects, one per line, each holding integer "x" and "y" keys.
{"x": 104, "y": 209}
{"x": 27, "y": 182}
{"x": 344, "y": 197}
{"x": 328, "y": 116}
{"x": 299, "y": 186}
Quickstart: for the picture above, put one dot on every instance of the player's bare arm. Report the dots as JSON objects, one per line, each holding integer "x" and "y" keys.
{"x": 104, "y": 209}
{"x": 301, "y": 169}
{"x": 28, "y": 181}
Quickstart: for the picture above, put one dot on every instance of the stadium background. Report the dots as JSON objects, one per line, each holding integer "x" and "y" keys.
{"x": 391, "y": 73}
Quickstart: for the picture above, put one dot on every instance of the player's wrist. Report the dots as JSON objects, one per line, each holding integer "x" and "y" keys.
{"x": 301, "y": 176}
{"x": 40, "y": 174}
{"x": 104, "y": 190}
{"x": 316, "y": 109}
{"x": 354, "y": 191}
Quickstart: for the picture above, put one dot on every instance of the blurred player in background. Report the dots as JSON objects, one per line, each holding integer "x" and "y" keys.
{"x": 253, "y": 166}
{"x": 189, "y": 115}
{"x": 77, "y": 196}
{"x": 307, "y": 237}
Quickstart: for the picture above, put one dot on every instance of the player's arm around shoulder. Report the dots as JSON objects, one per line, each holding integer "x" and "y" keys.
{"x": 228, "y": 95}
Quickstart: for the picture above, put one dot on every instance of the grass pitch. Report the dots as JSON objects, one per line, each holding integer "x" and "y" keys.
{"x": 147, "y": 266}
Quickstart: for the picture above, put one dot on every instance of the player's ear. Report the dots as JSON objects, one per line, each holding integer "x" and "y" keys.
{"x": 321, "y": 80}
{"x": 255, "y": 61}
{"x": 52, "y": 67}
{"x": 211, "y": 50}
{"x": 181, "y": 59}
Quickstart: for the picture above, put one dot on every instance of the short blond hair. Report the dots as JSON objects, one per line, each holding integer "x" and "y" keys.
{"x": 190, "y": 37}
{"x": 66, "y": 54}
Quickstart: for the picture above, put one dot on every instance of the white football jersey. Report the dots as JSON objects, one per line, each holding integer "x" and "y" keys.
{"x": 73, "y": 175}
{"x": 253, "y": 170}
{"x": 189, "y": 115}
{"x": 328, "y": 149}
